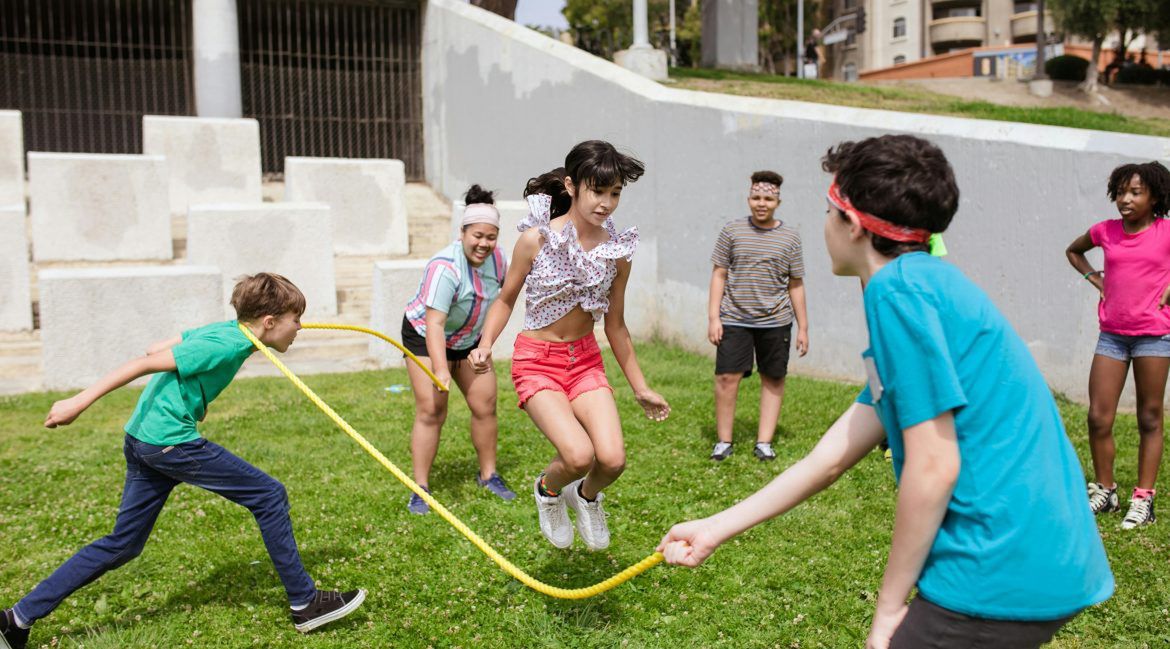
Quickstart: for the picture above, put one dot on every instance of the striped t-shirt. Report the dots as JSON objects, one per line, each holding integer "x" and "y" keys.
{"x": 462, "y": 291}
{"x": 759, "y": 265}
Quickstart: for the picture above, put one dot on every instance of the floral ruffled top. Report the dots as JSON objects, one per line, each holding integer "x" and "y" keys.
{"x": 564, "y": 274}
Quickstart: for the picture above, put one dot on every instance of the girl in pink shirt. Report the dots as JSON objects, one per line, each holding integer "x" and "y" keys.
{"x": 573, "y": 264}
{"x": 1134, "y": 311}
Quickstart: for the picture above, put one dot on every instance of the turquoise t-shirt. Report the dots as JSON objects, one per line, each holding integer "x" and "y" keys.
{"x": 1018, "y": 541}
{"x": 206, "y": 361}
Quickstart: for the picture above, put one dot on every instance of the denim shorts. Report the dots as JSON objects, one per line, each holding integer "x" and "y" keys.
{"x": 1123, "y": 348}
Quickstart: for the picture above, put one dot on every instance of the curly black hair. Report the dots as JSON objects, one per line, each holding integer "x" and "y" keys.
{"x": 1154, "y": 176}
{"x": 476, "y": 194}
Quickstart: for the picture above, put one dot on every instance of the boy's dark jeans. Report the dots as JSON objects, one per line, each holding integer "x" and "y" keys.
{"x": 151, "y": 473}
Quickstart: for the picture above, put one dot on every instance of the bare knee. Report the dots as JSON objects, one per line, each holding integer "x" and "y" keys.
{"x": 578, "y": 460}
{"x": 431, "y": 414}
{"x": 727, "y": 381}
{"x": 1150, "y": 420}
{"x": 612, "y": 463}
{"x": 1100, "y": 422}
{"x": 483, "y": 408}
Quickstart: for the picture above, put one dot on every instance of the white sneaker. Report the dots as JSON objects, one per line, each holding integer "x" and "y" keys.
{"x": 1141, "y": 512}
{"x": 554, "y": 518}
{"x": 590, "y": 516}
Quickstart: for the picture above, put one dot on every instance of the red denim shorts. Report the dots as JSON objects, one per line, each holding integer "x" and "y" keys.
{"x": 572, "y": 368}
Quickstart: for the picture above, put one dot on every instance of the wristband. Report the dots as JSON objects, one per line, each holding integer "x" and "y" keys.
{"x": 1092, "y": 272}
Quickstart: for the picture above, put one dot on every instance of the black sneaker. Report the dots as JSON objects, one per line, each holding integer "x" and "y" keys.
{"x": 327, "y": 606}
{"x": 11, "y": 636}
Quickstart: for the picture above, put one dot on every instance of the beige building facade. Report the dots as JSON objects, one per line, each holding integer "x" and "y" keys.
{"x": 902, "y": 31}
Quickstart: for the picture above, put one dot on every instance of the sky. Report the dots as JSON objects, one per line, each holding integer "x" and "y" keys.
{"x": 546, "y": 13}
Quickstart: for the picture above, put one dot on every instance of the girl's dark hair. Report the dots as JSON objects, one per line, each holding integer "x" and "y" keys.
{"x": 595, "y": 164}
{"x": 767, "y": 177}
{"x": 1154, "y": 176}
{"x": 900, "y": 178}
{"x": 553, "y": 184}
{"x": 476, "y": 194}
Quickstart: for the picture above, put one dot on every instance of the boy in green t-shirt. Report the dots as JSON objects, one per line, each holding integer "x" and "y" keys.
{"x": 163, "y": 449}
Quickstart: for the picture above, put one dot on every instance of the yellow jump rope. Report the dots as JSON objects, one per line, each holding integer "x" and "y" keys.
{"x": 507, "y": 566}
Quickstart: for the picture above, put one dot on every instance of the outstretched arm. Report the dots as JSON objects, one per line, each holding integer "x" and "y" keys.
{"x": 855, "y": 433}
{"x": 501, "y": 310}
{"x": 623, "y": 347}
{"x": 65, "y": 411}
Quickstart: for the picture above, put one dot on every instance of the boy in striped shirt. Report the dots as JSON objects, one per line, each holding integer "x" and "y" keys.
{"x": 757, "y": 290}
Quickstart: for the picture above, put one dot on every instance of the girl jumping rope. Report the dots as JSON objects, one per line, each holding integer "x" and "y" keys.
{"x": 1135, "y": 327}
{"x": 576, "y": 265}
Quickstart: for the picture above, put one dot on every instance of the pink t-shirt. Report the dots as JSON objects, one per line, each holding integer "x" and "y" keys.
{"x": 1137, "y": 271}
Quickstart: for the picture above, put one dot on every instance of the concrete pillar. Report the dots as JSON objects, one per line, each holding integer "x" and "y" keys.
{"x": 217, "y": 59}
{"x": 642, "y": 58}
{"x": 641, "y": 29}
{"x": 731, "y": 34}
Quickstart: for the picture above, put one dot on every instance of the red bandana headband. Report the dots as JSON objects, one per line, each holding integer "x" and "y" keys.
{"x": 874, "y": 224}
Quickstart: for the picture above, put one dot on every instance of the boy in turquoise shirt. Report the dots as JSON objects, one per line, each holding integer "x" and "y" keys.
{"x": 991, "y": 523}
{"x": 163, "y": 449}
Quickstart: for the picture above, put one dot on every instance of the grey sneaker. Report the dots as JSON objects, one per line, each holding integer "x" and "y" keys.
{"x": 1103, "y": 500}
{"x": 763, "y": 450}
{"x": 721, "y": 451}
{"x": 496, "y": 485}
{"x": 590, "y": 516}
{"x": 327, "y": 606}
{"x": 11, "y": 636}
{"x": 417, "y": 505}
{"x": 554, "y": 518}
{"x": 1141, "y": 512}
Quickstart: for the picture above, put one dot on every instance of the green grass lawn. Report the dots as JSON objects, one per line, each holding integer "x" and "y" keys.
{"x": 906, "y": 100}
{"x": 806, "y": 580}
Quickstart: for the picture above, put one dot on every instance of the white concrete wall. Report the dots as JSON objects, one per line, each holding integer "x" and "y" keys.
{"x": 290, "y": 239}
{"x": 511, "y": 213}
{"x": 91, "y": 207}
{"x": 367, "y": 197}
{"x": 1027, "y": 190}
{"x": 395, "y": 284}
{"x": 95, "y": 319}
{"x": 208, "y": 160}
{"x": 15, "y": 300}
{"x": 11, "y": 158}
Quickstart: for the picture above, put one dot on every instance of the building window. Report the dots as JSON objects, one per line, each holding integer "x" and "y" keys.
{"x": 851, "y": 39}
{"x": 899, "y": 60}
{"x": 1021, "y": 7}
{"x": 850, "y": 4}
{"x": 899, "y": 28}
{"x": 849, "y": 72}
{"x": 957, "y": 12}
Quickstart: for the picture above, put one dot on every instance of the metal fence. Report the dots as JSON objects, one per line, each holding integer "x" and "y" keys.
{"x": 83, "y": 72}
{"x": 334, "y": 78}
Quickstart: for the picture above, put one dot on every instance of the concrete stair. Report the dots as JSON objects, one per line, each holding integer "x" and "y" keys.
{"x": 315, "y": 351}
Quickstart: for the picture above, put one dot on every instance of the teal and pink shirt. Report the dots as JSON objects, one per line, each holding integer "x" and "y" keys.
{"x": 1137, "y": 271}
{"x": 464, "y": 292}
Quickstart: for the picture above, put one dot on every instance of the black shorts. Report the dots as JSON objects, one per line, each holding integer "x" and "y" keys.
{"x": 927, "y": 626}
{"x": 418, "y": 344}
{"x": 734, "y": 354}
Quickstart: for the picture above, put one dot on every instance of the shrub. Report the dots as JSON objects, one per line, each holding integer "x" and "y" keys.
{"x": 1138, "y": 75}
{"x": 1066, "y": 68}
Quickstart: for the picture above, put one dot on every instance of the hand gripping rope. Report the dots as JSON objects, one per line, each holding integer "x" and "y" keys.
{"x": 508, "y": 567}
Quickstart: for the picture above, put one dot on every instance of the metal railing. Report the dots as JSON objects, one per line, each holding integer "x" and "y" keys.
{"x": 334, "y": 78}
{"x": 83, "y": 73}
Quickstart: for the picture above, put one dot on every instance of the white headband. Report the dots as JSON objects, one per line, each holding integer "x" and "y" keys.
{"x": 481, "y": 213}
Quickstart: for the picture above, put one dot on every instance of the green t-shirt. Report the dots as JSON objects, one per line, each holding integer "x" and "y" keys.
{"x": 206, "y": 361}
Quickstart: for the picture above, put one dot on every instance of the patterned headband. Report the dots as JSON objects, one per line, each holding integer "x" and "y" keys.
{"x": 875, "y": 224}
{"x": 765, "y": 188}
